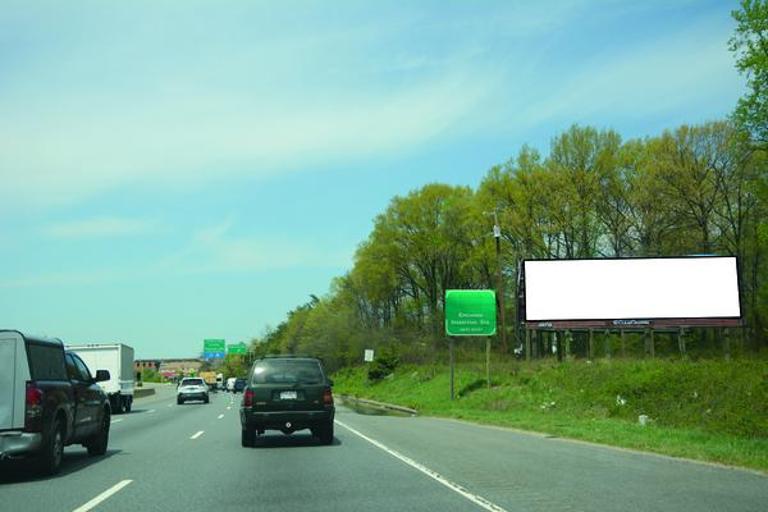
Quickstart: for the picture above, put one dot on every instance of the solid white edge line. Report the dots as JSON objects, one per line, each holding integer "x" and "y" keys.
{"x": 116, "y": 420}
{"x": 195, "y": 436}
{"x": 474, "y": 498}
{"x": 103, "y": 496}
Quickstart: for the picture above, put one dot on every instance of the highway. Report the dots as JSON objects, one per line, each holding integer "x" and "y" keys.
{"x": 166, "y": 457}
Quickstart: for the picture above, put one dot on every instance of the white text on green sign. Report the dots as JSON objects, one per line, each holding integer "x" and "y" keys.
{"x": 470, "y": 312}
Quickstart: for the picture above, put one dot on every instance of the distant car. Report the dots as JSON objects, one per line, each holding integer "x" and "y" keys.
{"x": 287, "y": 394}
{"x": 192, "y": 388}
{"x": 240, "y": 385}
{"x": 231, "y": 384}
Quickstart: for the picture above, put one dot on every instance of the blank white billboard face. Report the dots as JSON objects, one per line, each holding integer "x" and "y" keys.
{"x": 697, "y": 287}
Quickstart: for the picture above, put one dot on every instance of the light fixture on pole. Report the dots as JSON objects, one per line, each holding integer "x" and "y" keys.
{"x": 499, "y": 280}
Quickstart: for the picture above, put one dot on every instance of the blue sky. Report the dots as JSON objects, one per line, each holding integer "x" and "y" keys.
{"x": 174, "y": 171}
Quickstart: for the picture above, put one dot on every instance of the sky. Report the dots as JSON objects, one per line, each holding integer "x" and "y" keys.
{"x": 173, "y": 171}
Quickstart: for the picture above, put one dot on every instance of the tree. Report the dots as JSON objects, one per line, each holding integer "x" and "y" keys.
{"x": 424, "y": 235}
{"x": 750, "y": 45}
{"x": 581, "y": 160}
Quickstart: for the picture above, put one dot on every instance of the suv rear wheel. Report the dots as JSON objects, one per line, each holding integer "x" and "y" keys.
{"x": 248, "y": 437}
{"x": 324, "y": 432}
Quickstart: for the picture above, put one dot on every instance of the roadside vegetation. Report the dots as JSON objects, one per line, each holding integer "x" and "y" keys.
{"x": 692, "y": 189}
{"x": 707, "y": 410}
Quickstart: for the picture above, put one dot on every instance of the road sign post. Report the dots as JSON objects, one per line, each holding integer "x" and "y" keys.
{"x": 450, "y": 356}
{"x": 470, "y": 313}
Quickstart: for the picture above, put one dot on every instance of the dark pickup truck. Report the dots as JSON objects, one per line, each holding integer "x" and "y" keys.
{"x": 48, "y": 400}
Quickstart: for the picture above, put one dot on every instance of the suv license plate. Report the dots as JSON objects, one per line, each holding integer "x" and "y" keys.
{"x": 287, "y": 395}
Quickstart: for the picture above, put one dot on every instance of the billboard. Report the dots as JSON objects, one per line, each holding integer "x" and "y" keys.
{"x": 632, "y": 289}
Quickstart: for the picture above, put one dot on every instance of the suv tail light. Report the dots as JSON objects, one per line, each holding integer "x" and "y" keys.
{"x": 327, "y": 397}
{"x": 33, "y": 417}
{"x": 248, "y": 398}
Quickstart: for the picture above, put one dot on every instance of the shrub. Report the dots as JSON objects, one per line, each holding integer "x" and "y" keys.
{"x": 383, "y": 365}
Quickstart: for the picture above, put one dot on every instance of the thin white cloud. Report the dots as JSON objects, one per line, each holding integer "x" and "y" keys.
{"x": 216, "y": 249}
{"x": 73, "y": 278}
{"x": 100, "y": 227}
{"x": 190, "y": 141}
{"x": 661, "y": 76}
{"x": 213, "y": 249}
{"x": 108, "y": 101}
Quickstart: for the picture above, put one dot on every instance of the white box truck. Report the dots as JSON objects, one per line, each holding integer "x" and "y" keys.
{"x": 118, "y": 359}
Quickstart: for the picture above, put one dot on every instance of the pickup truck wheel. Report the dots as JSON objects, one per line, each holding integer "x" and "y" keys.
{"x": 53, "y": 450}
{"x": 248, "y": 438}
{"x": 97, "y": 445}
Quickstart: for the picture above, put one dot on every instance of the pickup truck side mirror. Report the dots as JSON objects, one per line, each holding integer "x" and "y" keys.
{"x": 101, "y": 376}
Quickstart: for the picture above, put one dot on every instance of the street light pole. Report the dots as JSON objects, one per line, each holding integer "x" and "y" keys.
{"x": 500, "y": 281}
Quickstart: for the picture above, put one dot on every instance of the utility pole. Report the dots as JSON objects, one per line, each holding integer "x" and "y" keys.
{"x": 500, "y": 281}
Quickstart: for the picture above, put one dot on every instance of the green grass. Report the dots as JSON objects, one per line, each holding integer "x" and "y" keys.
{"x": 709, "y": 410}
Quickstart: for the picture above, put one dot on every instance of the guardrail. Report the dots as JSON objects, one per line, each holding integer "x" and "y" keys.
{"x": 381, "y": 405}
{"x": 140, "y": 393}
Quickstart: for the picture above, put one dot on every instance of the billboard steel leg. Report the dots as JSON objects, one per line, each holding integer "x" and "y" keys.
{"x": 527, "y": 344}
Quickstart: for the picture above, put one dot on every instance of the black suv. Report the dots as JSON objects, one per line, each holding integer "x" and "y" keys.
{"x": 287, "y": 394}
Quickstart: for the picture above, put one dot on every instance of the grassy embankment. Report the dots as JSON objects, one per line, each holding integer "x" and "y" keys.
{"x": 708, "y": 410}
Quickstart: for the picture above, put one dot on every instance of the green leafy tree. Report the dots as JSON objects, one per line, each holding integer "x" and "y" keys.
{"x": 750, "y": 45}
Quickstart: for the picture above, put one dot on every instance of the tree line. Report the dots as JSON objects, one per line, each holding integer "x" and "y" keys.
{"x": 695, "y": 189}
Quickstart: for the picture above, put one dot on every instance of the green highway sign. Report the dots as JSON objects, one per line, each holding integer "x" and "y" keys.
{"x": 213, "y": 345}
{"x": 237, "y": 348}
{"x": 470, "y": 312}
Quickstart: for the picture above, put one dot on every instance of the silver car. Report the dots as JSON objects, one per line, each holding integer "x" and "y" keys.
{"x": 192, "y": 388}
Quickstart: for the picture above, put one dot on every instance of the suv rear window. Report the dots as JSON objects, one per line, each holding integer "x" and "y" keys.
{"x": 46, "y": 362}
{"x": 192, "y": 382}
{"x": 287, "y": 371}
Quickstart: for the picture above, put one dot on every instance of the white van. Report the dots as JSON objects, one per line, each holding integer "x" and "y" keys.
{"x": 231, "y": 384}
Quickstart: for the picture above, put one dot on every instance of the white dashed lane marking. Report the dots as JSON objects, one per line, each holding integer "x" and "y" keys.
{"x": 474, "y": 498}
{"x": 103, "y": 496}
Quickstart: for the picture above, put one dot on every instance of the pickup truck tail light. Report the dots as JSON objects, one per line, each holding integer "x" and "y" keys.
{"x": 327, "y": 397}
{"x": 248, "y": 398}
{"x": 33, "y": 418}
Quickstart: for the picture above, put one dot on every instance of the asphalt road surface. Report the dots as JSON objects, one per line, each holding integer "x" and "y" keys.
{"x": 166, "y": 457}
